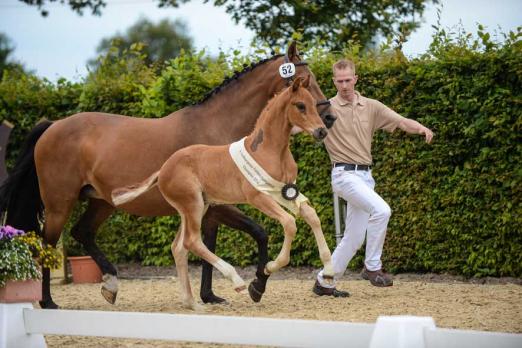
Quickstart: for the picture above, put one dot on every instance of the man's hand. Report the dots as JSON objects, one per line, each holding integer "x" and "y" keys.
{"x": 427, "y": 133}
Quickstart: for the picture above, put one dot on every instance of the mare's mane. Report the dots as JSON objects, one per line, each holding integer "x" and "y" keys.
{"x": 237, "y": 74}
{"x": 272, "y": 103}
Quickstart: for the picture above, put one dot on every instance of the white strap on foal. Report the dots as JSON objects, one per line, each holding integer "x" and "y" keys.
{"x": 260, "y": 179}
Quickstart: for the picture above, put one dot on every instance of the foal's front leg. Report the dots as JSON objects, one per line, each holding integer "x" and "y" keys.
{"x": 310, "y": 216}
{"x": 270, "y": 207}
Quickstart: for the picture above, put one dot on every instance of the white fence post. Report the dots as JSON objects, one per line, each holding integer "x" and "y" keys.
{"x": 400, "y": 332}
{"x": 12, "y": 328}
{"x": 339, "y": 217}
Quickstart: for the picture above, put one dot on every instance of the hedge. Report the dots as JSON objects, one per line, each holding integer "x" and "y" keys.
{"x": 456, "y": 203}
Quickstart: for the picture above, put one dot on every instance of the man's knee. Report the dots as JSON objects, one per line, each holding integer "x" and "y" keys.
{"x": 382, "y": 211}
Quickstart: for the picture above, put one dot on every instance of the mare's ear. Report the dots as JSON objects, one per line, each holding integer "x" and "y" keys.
{"x": 297, "y": 84}
{"x": 292, "y": 51}
{"x": 306, "y": 82}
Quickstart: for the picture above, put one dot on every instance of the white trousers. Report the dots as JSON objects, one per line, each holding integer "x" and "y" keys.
{"x": 367, "y": 215}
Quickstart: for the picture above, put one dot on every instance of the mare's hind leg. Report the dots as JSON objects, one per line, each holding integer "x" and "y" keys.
{"x": 234, "y": 218}
{"x": 84, "y": 231}
{"x": 209, "y": 229}
{"x": 55, "y": 218}
{"x": 310, "y": 216}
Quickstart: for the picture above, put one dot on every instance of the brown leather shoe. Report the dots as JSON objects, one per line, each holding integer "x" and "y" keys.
{"x": 322, "y": 291}
{"x": 377, "y": 278}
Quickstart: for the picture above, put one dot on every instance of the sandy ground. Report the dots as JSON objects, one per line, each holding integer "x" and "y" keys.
{"x": 487, "y": 304}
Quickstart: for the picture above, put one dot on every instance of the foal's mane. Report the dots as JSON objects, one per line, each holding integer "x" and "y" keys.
{"x": 237, "y": 74}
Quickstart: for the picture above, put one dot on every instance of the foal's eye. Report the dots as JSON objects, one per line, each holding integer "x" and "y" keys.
{"x": 301, "y": 106}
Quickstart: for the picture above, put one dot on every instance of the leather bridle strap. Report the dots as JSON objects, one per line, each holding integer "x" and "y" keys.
{"x": 291, "y": 79}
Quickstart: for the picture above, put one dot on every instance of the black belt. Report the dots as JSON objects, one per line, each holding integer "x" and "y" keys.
{"x": 349, "y": 166}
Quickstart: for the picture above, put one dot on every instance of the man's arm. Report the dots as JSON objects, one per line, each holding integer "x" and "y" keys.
{"x": 414, "y": 127}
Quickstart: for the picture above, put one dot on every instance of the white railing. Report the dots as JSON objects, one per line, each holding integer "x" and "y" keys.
{"x": 23, "y": 326}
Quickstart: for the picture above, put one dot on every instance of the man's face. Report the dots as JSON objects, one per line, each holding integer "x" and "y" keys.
{"x": 345, "y": 80}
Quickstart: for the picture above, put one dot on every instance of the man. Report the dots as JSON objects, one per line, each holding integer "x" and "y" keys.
{"x": 349, "y": 146}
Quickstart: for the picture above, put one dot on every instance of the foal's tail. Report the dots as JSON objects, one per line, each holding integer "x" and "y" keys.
{"x": 126, "y": 194}
{"x": 20, "y": 199}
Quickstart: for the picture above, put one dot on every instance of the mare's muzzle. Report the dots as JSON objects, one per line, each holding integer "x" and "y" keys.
{"x": 320, "y": 133}
{"x": 323, "y": 107}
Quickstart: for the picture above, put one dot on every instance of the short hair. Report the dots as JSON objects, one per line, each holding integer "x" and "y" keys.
{"x": 343, "y": 64}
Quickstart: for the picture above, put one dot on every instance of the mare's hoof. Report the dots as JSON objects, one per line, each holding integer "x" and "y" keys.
{"x": 48, "y": 304}
{"x": 213, "y": 299}
{"x": 254, "y": 293}
{"x": 108, "y": 295}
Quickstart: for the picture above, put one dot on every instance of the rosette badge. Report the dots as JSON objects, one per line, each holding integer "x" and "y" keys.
{"x": 290, "y": 192}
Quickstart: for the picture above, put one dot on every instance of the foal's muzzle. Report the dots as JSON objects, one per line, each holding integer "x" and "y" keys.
{"x": 320, "y": 133}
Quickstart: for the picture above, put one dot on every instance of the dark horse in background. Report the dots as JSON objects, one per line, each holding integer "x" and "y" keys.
{"x": 87, "y": 155}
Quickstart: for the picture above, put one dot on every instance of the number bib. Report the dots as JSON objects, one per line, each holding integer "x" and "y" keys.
{"x": 287, "y": 70}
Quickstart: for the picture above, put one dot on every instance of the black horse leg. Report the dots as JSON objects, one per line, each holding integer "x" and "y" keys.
{"x": 209, "y": 229}
{"x": 47, "y": 300}
{"x": 85, "y": 231}
{"x": 234, "y": 218}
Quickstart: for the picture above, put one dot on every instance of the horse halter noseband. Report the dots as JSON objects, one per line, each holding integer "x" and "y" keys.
{"x": 324, "y": 102}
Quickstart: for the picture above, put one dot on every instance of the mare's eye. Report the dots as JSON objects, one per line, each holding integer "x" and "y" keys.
{"x": 300, "y": 106}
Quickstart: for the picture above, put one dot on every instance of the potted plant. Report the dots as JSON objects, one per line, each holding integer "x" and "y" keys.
{"x": 83, "y": 267}
{"x": 22, "y": 256}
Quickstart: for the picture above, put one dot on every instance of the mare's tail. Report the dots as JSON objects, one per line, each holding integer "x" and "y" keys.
{"x": 128, "y": 193}
{"x": 20, "y": 199}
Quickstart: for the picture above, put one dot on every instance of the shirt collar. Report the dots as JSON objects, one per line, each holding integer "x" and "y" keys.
{"x": 358, "y": 99}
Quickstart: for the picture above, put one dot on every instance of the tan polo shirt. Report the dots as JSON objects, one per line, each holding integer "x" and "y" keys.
{"x": 350, "y": 138}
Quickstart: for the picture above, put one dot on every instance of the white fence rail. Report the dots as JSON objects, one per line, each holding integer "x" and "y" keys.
{"x": 23, "y": 326}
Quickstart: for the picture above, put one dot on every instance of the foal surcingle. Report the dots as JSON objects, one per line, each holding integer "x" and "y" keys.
{"x": 258, "y": 170}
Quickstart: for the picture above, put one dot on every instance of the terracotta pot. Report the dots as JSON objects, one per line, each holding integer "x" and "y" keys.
{"x": 21, "y": 291}
{"x": 84, "y": 270}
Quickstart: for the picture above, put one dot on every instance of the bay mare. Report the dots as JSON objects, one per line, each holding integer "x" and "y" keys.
{"x": 87, "y": 155}
{"x": 198, "y": 176}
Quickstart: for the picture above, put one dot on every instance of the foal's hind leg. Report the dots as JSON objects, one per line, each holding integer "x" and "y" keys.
{"x": 234, "y": 218}
{"x": 310, "y": 216}
{"x": 191, "y": 207}
{"x": 84, "y": 231}
{"x": 181, "y": 259}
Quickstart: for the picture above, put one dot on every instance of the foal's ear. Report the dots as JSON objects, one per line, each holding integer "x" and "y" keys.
{"x": 306, "y": 81}
{"x": 292, "y": 51}
{"x": 297, "y": 84}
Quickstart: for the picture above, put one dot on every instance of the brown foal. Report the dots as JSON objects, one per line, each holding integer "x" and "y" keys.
{"x": 200, "y": 175}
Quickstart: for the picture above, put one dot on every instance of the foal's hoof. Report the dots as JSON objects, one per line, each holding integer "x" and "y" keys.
{"x": 108, "y": 295}
{"x": 240, "y": 289}
{"x": 213, "y": 299}
{"x": 48, "y": 304}
{"x": 254, "y": 293}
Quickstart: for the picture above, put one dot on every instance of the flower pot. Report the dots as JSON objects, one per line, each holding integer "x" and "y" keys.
{"x": 84, "y": 270}
{"x": 21, "y": 291}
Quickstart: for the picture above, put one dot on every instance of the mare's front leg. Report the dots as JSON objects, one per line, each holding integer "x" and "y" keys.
{"x": 236, "y": 219}
{"x": 270, "y": 207}
{"x": 310, "y": 216}
{"x": 85, "y": 231}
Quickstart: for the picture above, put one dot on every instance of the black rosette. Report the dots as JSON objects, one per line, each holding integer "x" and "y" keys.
{"x": 290, "y": 192}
